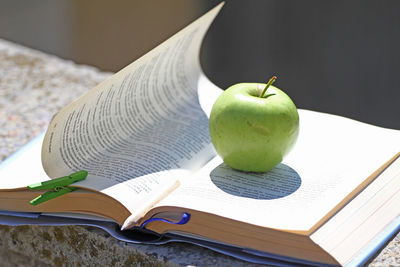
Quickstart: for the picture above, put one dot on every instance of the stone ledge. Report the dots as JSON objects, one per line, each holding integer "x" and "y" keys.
{"x": 34, "y": 86}
{"x": 69, "y": 246}
{"x": 87, "y": 246}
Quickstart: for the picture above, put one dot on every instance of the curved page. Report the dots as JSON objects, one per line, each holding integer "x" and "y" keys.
{"x": 142, "y": 129}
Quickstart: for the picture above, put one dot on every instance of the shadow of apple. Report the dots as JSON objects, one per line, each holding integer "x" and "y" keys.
{"x": 279, "y": 182}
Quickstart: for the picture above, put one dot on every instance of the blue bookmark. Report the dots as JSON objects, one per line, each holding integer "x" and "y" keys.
{"x": 185, "y": 218}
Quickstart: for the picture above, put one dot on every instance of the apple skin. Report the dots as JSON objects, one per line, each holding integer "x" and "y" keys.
{"x": 251, "y": 133}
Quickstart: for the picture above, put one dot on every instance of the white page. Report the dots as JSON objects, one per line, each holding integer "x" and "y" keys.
{"x": 23, "y": 167}
{"x": 140, "y": 130}
{"x": 332, "y": 157}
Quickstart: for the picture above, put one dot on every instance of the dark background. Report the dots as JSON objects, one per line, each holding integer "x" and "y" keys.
{"x": 340, "y": 56}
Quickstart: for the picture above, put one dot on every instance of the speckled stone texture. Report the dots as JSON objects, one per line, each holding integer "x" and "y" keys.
{"x": 33, "y": 87}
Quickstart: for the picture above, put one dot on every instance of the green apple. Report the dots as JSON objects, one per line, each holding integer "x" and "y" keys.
{"x": 253, "y": 128}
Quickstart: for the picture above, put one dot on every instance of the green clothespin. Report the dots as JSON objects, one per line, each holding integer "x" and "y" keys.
{"x": 58, "y": 187}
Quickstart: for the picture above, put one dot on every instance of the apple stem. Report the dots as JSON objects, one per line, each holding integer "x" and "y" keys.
{"x": 271, "y": 81}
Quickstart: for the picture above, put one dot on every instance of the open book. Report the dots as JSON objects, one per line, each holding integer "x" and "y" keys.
{"x": 143, "y": 137}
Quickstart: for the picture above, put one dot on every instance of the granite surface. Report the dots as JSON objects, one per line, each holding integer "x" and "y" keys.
{"x": 33, "y": 87}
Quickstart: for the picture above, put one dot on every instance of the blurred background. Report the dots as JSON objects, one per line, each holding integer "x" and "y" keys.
{"x": 340, "y": 57}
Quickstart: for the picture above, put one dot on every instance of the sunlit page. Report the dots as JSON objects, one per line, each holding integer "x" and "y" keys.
{"x": 333, "y": 155}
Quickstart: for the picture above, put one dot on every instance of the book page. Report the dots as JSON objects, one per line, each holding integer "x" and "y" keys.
{"x": 365, "y": 220}
{"x": 23, "y": 167}
{"x": 332, "y": 157}
{"x": 139, "y": 130}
